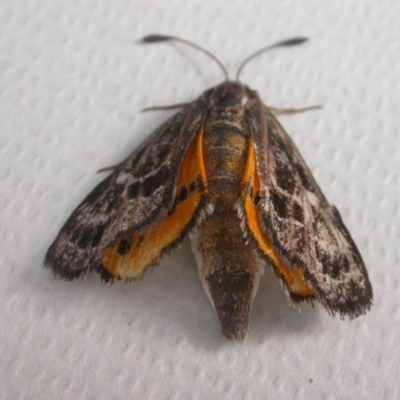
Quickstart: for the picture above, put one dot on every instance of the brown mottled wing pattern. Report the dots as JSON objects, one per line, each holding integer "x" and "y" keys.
{"x": 304, "y": 229}
{"x": 135, "y": 196}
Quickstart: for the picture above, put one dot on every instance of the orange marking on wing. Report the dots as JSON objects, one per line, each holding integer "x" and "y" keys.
{"x": 144, "y": 250}
{"x": 192, "y": 167}
{"x": 292, "y": 276}
{"x": 200, "y": 167}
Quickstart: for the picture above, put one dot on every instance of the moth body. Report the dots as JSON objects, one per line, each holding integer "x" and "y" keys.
{"x": 223, "y": 170}
{"x": 229, "y": 266}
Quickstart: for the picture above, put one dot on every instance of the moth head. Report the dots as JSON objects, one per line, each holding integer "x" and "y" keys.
{"x": 229, "y": 96}
{"x": 232, "y": 96}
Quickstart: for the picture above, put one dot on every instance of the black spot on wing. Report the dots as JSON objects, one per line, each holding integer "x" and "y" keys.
{"x": 137, "y": 158}
{"x": 151, "y": 183}
{"x": 284, "y": 177}
{"x": 280, "y": 204}
{"x": 124, "y": 247}
{"x": 88, "y": 237}
{"x": 305, "y": 181}
{"x": 98, "y": 234}
{"x": 105, "y": 276}
{"x": 183, "y": 194}
{"x": 83, "y": 240}
{"x": 163, "y": 152}
{"x": 297, "y": 212}
{"x": 278, "y": 143}
{"x": 134, "y": 189}
{"x": 144, "y": 168}
{"x": 193, "y": 186}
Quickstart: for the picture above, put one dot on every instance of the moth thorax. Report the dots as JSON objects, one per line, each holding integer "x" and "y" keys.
{"x": 229, "y": 269}
{"x": 225, "y": 151}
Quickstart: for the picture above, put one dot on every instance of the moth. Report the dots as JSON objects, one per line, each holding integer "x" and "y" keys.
{"x": 222, "y": 171}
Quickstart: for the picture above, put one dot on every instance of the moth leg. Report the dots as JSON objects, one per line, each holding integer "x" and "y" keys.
{"x": 110, "y": 168}
{"x": 280, "y": 111}
{"x": 152, "y": 108}
{"x": 162, "y": 108}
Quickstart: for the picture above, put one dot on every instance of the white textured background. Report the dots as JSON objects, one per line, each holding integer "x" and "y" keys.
{"x": 72, "y": 84}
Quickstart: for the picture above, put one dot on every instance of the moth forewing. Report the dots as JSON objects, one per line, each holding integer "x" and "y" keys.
{"x": 134, "y": 198}
{"x": 304, "y": 229}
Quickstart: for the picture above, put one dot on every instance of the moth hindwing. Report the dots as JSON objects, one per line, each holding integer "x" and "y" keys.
{"x": 224, "y": 170}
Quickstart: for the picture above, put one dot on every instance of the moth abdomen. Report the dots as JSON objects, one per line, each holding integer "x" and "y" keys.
{"x": 232, "y": 296}
{"x": 229, "y": 269}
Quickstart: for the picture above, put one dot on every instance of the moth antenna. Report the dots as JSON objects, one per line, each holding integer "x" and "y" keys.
{"x": 154, "y": 38}
{"x": 288, "y": 42}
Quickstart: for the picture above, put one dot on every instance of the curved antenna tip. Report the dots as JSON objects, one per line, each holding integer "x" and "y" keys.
{"x": 294, "y": 41}
{"x": 154, "y": 38}
{"x": 284, "y": 43}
